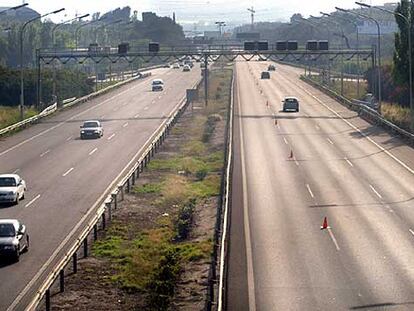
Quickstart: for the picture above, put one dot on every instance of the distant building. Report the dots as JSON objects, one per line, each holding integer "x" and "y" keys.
{"x": 21, "y": 15}
{"x": 148, "y": 17}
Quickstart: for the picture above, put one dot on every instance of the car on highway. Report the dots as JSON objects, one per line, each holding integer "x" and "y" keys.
{"x": 186, "y": 68}
{"x": 176, "y": 66}
{"x": 157, "y": 85}
{"x": 265, "y": 75}
{"x": 166, "y": 65}
{"x": 271, "y": 68}
{"x": 12, "y": 188}
{"x": 290, "y": 103}
{"x": 14, "y": 238}
{"x": 91, "y": 129}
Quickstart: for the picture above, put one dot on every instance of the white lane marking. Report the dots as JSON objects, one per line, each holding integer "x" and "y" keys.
{"x": 44, "y": 153}
{"x": 317, "y": 127}
{"x": 375, "y": 191}
{"x": 330, "y": 141}
{"x": 278, "y": 125}
{"x": 310, "y": 190}
{"x": 93, "y": 151}
{"x": 296, "y": 162}
{"x": 333, "y": 239}
{"x": 349, "y": 162}
{"x": 69, "y": 138}
{"x": 68, "y": 172}
{"x": 146, "y": 108}
{"x": 411, "y": 231}
{"x": 71, "y": 118}
{"x": 125, "y": 125}
{"x": 159, "y": 97}
{"x": 16, "y": 171}
{"x": 359, "y": 131}
{"x": 285, "y": 140}
{"x": 112, "y": 136}
{"x": 33, "y": 200}
{"x": 247, "y": 239}
{"x": 136, "y": 116}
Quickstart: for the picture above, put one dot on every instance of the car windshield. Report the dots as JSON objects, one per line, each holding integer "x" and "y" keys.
{"x": 90, "y": 124}
{"x": 7, "y": 230}
{"x": 7, "y": 182}
{"x": 291, "y": 100}
{"x": 157, "y": 82}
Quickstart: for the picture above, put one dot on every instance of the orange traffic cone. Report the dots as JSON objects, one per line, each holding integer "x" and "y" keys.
{"x": 291, "y": 154}
{"x": 325, "y": 224}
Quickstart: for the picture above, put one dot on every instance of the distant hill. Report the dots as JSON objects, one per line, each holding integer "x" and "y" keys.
{"x": 20, "y": 15}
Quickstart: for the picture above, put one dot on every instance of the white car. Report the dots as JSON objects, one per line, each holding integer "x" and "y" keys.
{"x": 13, "y": 238}
{"x": 157, "y": 85}
{"x": 12, "y": 188}
{"x": 91, "y": 129}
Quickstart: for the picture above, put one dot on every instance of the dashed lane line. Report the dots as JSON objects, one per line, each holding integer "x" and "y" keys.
{"x": 375, "y": 191}
{"x": 112, "y": 136}
{"x": 44, "y": 153}
{"x": 32, "y": 201}
{"x": 310, "y": 191}
{"x": 93, "y": 151}
{"x": 68, "y": 172}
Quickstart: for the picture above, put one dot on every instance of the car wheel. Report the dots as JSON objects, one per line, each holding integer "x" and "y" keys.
{"x": 27, "y": 243}
{"x": 23, "y": 195}
{"x": 17, "y": 200}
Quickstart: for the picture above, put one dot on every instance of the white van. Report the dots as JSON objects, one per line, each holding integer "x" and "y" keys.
{"x": 157, "y": 85}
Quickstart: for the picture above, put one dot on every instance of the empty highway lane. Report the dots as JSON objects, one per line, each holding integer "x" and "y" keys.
{"x": 292, "y": 170}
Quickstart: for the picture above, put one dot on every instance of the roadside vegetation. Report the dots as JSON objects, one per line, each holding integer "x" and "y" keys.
{"x": 11, "y": 115}
{"x": 161, "y": 239}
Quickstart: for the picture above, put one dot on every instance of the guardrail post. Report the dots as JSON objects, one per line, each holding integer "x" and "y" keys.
{"x": 128, "y": 185}
{"x": 103, "y": 221}
{"x": 62, "y": 280}
{"x": 47, "y": 299}
{"x": 133, "y": 177}
{"x": 109, "y": 208}
{"x": 75, "y": 262}
{"x": 95, "y": 232}
{"x": 115, "y": 200}
{"x": 85, "y": 247}
{"x": 122, "y": 192}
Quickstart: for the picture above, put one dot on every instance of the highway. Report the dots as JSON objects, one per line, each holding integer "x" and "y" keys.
{"x": 343, "y": 168}
{"x": 66, "y": 176}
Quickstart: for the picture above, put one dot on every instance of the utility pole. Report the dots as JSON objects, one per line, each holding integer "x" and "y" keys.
{"x": 252, "y": 11}
{"x": 220, "y": 26}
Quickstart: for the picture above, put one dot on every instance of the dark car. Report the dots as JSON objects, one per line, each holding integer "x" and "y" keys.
{"x": 290, "y": 104}
{"x": 265, "y": 75}
{"x": 271, "y": 68}
{"x": 13, "y": 238}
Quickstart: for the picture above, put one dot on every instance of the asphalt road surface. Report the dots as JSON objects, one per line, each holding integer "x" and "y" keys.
{"x": 66, "y": 176}
{"x": 342, "y": 168}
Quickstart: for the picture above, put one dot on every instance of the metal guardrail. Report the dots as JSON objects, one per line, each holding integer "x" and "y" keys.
{"x": 103, "y": 214}
{"x": 364, "y": 111}
{"x": 49, "y": 110}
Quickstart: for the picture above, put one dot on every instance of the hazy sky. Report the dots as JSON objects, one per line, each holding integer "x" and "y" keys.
{"x": 194, "y": 10}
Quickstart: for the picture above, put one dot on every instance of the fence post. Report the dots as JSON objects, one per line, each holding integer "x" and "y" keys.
{"x": 109, "y": 207}
{"x": 103, "y": 221}
{"x": 62, "y": 280}
{"x": 85, "y": 247}
{"x": 47, "y": 300}
{"x": 75, "y": 262}
{"x": 95, "y": 232}
{"x": 115, "y": 200}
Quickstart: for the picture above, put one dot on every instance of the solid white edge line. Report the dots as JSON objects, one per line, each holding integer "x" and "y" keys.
{"x": 248, "y": 244}
{"x": 68, "y": 172}
{"x": 310, "y": 190}
{"x": 226, "y": 206}
{"x": 375, "y": 191}
{"x": 360, "y": 132}
{"x": 93, "y": 151}
{"x": 32, "y": 201}
{"x": 333, "y": 238}
{"x": 19, "y": 297}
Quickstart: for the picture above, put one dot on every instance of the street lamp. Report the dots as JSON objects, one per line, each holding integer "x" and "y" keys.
{"x": 83, "y": 25}
{"x": 220, "y": 25}
{"x": 357, "y": 44}
{"x": 21, "y": 57}
{"x": 408, "y": 21}
{"x": 65, "y": 22}
{"x": 379, "y": 48}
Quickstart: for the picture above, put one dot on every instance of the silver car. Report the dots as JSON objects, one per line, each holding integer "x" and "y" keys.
{"x": 12, "y": 188}
{"x": 91, "y": 129}
{"x": 13, "y": 238}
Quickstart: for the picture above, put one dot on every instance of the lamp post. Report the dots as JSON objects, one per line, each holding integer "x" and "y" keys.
{"x": 21, "y": 57}
{"x": 357, "y": 45}
{"x": 379, "y": 48}
{"x": 83, "y": 25}
{"x": 410, "y": 76}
